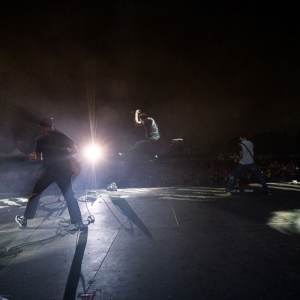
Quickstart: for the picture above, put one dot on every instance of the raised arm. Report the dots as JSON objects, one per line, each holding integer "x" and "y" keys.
{"x": 137, "y": 121}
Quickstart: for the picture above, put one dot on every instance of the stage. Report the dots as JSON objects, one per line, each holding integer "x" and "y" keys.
{"x": 155, "y": 243}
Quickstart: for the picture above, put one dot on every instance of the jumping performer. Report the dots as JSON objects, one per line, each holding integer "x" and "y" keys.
{"x": 152, "y": 134}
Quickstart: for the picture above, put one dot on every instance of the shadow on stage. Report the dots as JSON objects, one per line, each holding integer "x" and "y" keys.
{"x": 132, "y": 217}
{"x": 46, "y": 210}
{"x": 75, "y": 272}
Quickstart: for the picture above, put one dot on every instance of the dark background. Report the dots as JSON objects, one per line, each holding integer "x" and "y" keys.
{"x": 206, "y": 71}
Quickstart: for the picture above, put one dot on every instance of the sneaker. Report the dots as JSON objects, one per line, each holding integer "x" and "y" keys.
{"x": 20, "y": 221}
{"x": 227, "y": 191}
{"x": 80, "y": 226}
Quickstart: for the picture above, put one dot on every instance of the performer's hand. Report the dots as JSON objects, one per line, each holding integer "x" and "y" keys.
{"x": 32, "y": 156}
{"x": 138, "y": 111}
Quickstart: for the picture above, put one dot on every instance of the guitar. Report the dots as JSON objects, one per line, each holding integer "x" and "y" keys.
{"x": 74, "y": 164}
{"x": 75, "y": 167}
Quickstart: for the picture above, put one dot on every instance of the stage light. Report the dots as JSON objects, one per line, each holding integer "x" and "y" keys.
{"x": 93, "y": 152}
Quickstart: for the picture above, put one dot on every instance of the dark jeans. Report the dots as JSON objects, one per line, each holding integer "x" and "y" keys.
{"x": 143, "y": 147}
{"x": 63, "y": 180}
{"x": 252, "y": 168}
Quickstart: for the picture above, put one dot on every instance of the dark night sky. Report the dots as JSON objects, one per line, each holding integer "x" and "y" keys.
{"x": 204, "y": 70}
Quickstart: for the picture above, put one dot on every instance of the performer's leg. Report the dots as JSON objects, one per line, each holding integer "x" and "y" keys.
{"x": 65, "y": 184}
{"x": 139, "y": 147}
{"x": 43, "y": 181}
{"x": 254, "y": 170}
{"x": 238, "y": 169}
{"x": 154, "y": 147}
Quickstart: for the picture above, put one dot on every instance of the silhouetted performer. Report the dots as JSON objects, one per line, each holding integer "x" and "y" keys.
{"x": 55, "y": 150}
{"x": 246, "y": 162}
{"x": 152, "y": 134}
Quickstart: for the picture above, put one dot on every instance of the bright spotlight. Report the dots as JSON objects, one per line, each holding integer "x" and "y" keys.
{"x": 93, "y": 152}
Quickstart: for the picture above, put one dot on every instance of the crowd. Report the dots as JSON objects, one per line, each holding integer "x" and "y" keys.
{"x": 18, "y": 177}
{"x": 213, "y": 172}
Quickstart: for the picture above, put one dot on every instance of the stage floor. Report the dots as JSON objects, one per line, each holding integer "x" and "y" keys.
{"x": 152, "y": 244}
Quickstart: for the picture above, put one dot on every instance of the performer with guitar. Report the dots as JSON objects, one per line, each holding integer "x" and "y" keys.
{"x": 55, "y": 150}
{"x": 245, "y": 161}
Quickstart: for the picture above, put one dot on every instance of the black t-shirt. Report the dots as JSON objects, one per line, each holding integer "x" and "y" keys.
{"x": 54, "y": 148}
{"x": 151, "y": 129}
